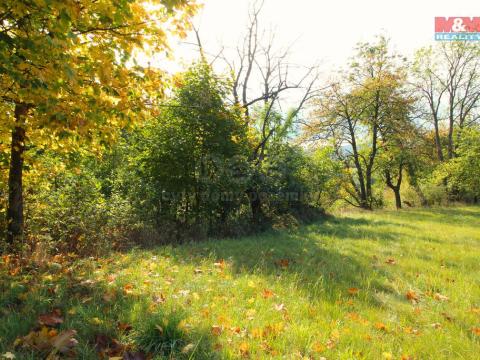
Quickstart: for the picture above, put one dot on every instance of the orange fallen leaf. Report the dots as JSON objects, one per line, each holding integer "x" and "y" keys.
{"x": 381, "y": 326}
{"x": 353, "y": 291}
{"x": 267, "y": 294}
{"x": 412, "y": 295}
{"x": 128, "y": 289}
{"x": 318, "y": 348}
{"x": 476, "y": 331}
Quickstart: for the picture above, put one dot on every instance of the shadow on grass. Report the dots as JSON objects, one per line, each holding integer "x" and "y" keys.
{"x": 321, "y": 271}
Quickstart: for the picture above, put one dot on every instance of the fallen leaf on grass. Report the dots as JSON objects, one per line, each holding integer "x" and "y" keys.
{"x": 8, "y": 355}
{"x": 353, "y": 291}
{"x": 243, "y": 349}
{"x": 48, "y": 340}
{"x": 476, "y": 331}
{"x": 65, "y": 342}
{"x": 159, "y": 299}
{"x": 436, "y": 325}
{"x": 128, "y": 289}
{"x": 410, "y": 330}
{"x": 390, "y": 261}
{"x": 51, "y": 319}
{"x": 381, "y": 326}
{"x": 412, "y": 296}
{"x": 107, "y": 346}
{"x": 318, "y": 348}
{"x": 124, "y": 327}
{"x": 279, "y": 307}
{"x": 283, "y": 263}
{"x": 267, "y": 294}
{"x": 440, "y": 297}
{"x": 216, "y": 330}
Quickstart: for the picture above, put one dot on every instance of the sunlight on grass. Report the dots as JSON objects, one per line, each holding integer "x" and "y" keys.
{"x": 360, "y": 285}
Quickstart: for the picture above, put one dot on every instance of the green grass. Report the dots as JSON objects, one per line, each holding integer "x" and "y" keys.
{"x": 278, "y": 295}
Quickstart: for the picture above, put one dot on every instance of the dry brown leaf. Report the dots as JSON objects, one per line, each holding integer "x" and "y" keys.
{"x": 283, "y": 263}
{"x": 65, "y": 342}
{"x": 412, "y": 296}
{"x": 440, "y": 297}
{"x": 51, "y": 319}
{"x": 216, "y": 330}
{"x": 124, "y": 327}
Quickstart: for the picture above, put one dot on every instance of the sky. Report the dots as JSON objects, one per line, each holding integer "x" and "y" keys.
{"x": 322, "y": 32}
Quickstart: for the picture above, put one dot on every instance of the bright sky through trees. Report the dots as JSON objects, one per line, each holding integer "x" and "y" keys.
{"x": 323, "y": 31}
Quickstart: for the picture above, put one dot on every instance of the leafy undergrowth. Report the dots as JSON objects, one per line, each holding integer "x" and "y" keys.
{"x": 391, "y": 285}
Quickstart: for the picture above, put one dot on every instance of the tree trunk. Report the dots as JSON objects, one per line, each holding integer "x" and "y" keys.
{"x": 15, "y": 183}
{"x": 438, "y": 143}
{"x": 450, "y": 146}
{"x": 398, "y": 198}
{"x": 414, "y": 182}
{"x": 256, "y": 207}
{"x": 395, "y": 187}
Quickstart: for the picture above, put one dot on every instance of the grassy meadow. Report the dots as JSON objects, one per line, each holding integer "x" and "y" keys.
{"x": 360, "y": 285}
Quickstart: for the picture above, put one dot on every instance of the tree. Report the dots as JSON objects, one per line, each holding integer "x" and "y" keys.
{"x": 68, "y": 74}
{"x": 185, "y": 160}
{"x": 259, "y": 60}
{"x": 358, "y": 114}
{"x": 448, "y": 82}
{"x": 463, "y": 171}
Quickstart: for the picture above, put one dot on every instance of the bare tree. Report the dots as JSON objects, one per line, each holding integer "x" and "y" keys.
{"x": 261, "y": 75}
{"x": 447, "y": 79}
